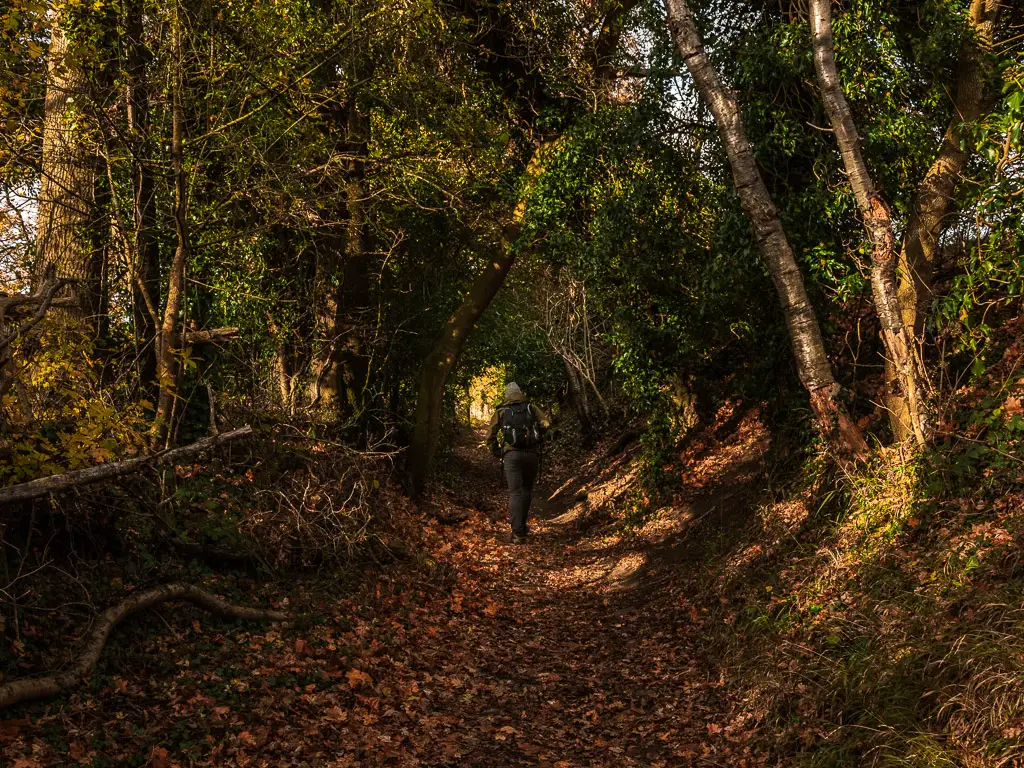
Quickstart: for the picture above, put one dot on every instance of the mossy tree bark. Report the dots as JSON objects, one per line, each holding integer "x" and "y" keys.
{"x": 935, "y": 198}
{"x": 65, "y": 247}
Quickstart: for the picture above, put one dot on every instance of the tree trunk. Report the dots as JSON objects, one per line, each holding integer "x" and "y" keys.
{"x": 813, "y": 365}
{"x": 282, "y": 371}
{"x": 935, "y": 196}
{"x": 353, "y": 363}
{"x": 934, "y": 200}
{"x": 442, "y": 359}
{"x": 909, "y": 381}
{"x": 448, "y": 347}
{"x": 64, "y": 246}
{"x": 168, "y": 364}
{"x": 324, "y": 385}
{"x": 146, "y": 268}
{"x": 577, "y": 393}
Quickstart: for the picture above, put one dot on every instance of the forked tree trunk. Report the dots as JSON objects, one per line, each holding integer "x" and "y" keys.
{"x": 446, "y": 351}
{"x": 909, "y": 380}
{"x": 813, "y": 365}
{"x": 64, "y": 246}
{"x": 168, "y": 364}
{"x": 934, "y": 200}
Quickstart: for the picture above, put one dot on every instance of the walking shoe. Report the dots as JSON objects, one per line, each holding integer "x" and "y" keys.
{"x": 518, "y": 538}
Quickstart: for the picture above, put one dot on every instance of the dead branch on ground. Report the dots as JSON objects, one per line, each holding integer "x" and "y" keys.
{"x": 37, "y": 688}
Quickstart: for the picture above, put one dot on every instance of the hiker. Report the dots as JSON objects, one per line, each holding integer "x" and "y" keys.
{"x": 517, "y": 430}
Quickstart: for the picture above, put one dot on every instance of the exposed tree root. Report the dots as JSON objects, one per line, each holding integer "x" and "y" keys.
{"x": 41, "y": 687}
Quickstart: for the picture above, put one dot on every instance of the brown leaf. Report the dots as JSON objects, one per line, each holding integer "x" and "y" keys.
{"x": 9, "y": 729}
{"x": 159, "y": 758}
{"x": 357, "y": 678}
{"x": 337, "y": 715}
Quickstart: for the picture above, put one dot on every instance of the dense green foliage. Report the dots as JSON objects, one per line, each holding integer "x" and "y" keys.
{"x": 352, "y": 169}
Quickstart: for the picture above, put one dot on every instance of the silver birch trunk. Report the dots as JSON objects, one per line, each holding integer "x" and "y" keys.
{"x": 909, "y": 381}
{"x": 813, "y": 365}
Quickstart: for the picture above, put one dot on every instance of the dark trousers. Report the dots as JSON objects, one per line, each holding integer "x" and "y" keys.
{"x": 520, "y": 475}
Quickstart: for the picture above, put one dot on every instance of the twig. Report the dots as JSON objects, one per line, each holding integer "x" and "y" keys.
{"x": 45, "y": 300}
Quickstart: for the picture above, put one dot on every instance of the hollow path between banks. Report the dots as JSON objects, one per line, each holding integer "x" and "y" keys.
{"x": 541, "y": 657}
{"x": 478, "y": 653}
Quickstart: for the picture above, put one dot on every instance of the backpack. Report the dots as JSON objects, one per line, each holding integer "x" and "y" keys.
{"x": 519, "y": 426}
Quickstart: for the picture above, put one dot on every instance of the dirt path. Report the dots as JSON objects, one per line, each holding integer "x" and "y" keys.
{"x": 483, "y": 654}
{"x": 545, "y": 661}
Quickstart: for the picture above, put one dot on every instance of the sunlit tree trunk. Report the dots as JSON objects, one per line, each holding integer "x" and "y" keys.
{"x": 909, "y": 381}
{"x": 935, "y": 196}
{"x": 65, "y": 246}
{"x": 445, "y": 354}
{"x": 168, "y": 364}
{"x": 285, "y": 377}
{"x": 934, "y": 201}
{"x": 446, "y": 351}
{"x": 813, "y": 365}
{"x": 324, "y": 385}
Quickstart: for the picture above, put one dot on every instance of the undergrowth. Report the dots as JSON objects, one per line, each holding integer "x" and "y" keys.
{"x": 881, "y": 620}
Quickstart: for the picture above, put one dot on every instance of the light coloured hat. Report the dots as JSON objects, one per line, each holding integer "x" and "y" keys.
{"x": 512, "y": 389}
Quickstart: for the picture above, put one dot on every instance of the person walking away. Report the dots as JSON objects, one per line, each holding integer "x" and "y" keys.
{"x": 516, "y": 434}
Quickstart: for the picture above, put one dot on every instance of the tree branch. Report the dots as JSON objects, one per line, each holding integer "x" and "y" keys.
{"x": 44, "y": 298}
{"x": 58, "y": 483}
{"x": 37, "y": 688}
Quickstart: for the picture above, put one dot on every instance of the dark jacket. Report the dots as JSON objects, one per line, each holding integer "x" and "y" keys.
{"x": 494, "y": 434}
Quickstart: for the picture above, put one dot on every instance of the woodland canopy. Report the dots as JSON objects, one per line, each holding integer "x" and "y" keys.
{"x": 262, "y": 261}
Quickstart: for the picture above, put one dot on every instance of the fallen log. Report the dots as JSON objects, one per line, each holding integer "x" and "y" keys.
{"x": 211, "y": 336}
{"x": 41, "y": 687}
{"x": 57, "y": 483}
